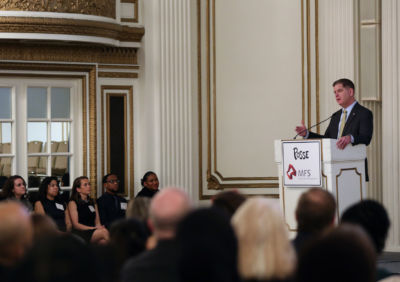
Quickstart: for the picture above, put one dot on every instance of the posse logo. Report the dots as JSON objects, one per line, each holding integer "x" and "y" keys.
{"x": 291, "y": 171}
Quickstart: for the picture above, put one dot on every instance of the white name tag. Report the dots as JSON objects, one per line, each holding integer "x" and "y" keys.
{"x": 91, "y": 208}
{"x": 59, "y": 206}
{"x": 123, "y": 206}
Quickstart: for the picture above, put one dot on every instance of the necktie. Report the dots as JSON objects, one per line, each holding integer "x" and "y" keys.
{"x": 342, "y": 123}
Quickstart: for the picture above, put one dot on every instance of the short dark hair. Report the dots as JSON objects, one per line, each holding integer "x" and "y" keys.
{"x": 106, "y": 176}
{"x": 145, "y": 176}
{"x": 229, "y": 201}
{"x": 315, "y": 210}
{"x": 373, "y": 218}
{"x": 345, "y": 82}
{"x": 344, "y": 254}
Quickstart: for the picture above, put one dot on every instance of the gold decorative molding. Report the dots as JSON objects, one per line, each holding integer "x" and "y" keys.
{"x": 70, "y": 54}
{"x": 104, "y": 8}
{"x": 71, "y": 27}
{"x": 124, "y": 88}
{"x": 214, "y": 184}
{"x": 117, "y": 74}
{"x": 135, "y": 16}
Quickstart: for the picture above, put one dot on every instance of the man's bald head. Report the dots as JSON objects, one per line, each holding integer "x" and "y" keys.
{"x": 315, "y": 210}
{"x": 167, "y": 208}
{"x": 15, "y": 232}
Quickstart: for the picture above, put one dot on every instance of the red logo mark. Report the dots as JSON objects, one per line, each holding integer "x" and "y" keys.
{"x": 291, "y": 172}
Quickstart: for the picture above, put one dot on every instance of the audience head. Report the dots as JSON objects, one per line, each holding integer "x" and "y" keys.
{"x": 208, "y": 247}
{"x": 315, "y": 211}
{"x": 345, "y": 254}
{"x": 81, "y": 185}
{"x": 167, "y": 208}
{"x": 128, "y": 238}
{"x": 229, "y": 201}
{"x": 373, "y": 218}
{"x": 43, "y": 227}
{"x": 60, "y": 258}
{"x": 49, "y": 188}
{"x": 265, "y": 252}
{"x": 15, "y": 232}
{"x": 150, "y": 180}
{"x": 14, "y": 187}
{"x": 138, "y": 208}
{"x": 111, "y": 183}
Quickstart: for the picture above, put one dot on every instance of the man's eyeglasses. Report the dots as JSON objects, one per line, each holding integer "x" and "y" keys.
{"x": 113, "y": 181}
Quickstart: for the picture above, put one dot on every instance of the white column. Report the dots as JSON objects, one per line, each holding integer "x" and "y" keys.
{"x": 390, "y": 117}
{"x": 176, "y": 96}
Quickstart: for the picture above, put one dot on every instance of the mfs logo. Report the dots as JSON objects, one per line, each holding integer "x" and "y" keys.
{"x": 291, "y": 172}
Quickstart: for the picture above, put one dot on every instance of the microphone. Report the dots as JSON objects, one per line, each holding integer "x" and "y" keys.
{"x": 312, "y": 126}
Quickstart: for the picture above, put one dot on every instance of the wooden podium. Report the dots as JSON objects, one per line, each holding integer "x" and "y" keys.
{"x": 342, "y": 172}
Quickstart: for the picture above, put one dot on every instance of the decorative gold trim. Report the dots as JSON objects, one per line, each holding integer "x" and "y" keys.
{"x": 271, "y": 196}
{"x": 210, "y": 169}
{"x": 100, "y": 66}
{"x": 87, "y": 83}
{"x": 69, "y": 54}
{"x": 117, "y": 74}
{"x": 135, "y": 18}
{"x": 303, "y": 102}
{"x": 308, "y": 63}
{"x": 71, "y": 27}
{"x": 199, "y": 99}
{"x": 337, "y": 186}
{"x": 317, "y": 110}
{"x": 104, "y": 88}
{"x": 214, "y": 184}
{"x": 103, "y": 8}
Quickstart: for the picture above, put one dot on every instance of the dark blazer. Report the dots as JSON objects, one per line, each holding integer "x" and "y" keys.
{"x": 158, "y": 264}
{"x": 110, "y": 208}
{"x": 359, "y": 124}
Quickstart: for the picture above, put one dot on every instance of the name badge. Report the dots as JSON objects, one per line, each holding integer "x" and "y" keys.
{"x": 59, "y": 206}
{"x": 123, "y": 206}
{"x": 91, "y": 208}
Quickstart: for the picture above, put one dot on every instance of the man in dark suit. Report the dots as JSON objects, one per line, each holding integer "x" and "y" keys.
{"x": 351, "y": 124}
{"x": 111, "y": 206}
{"x": 167, "y": 208}
{"x": 357, "y": 124}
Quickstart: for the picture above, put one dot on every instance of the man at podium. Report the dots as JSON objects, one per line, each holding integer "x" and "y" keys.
{"x": 351, "y": 124}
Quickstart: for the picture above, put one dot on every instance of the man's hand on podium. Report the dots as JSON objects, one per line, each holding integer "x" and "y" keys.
{"x": 343, "y": 142}
{"x": 302, "y": 129}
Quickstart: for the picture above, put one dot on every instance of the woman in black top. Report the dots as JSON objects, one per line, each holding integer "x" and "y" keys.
{"x": 84, "y": 213}
{"x": 150, "y": 185}
{"x": 15, "y": 189}
{"x": 50, "y": 203}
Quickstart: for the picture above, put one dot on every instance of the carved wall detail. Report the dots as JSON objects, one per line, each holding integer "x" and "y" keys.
{"x": 105, "y": 8}
{"x": 88, "y": 54}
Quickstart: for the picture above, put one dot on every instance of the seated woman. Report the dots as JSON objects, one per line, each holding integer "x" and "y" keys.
{"x": 150, "y": 185}
{"x": 265, "y": 252}
{"x": 84, "y": 213}
{"x": 15, "y": 188}
{"x": 51, "y": 204}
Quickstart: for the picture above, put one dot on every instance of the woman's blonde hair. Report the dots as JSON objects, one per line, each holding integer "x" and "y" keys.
{"x": 265, "y": 251}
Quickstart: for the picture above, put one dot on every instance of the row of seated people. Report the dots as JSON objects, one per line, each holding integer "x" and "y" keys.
{"x": 238, "y": 239}
{"x": 80, "y": 214}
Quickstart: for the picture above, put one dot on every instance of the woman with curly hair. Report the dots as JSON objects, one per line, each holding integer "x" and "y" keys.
{"x": 15, "y": 189}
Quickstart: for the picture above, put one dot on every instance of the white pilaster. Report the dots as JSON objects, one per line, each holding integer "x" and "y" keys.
{"x": 176, "y": 97}
{"x": 390, "y": 117}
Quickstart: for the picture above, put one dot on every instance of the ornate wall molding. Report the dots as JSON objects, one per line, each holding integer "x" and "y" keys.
{"x": 88, "y": 54}
{"x": 71, "y": 27}
{"x": 105, "y": 8}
